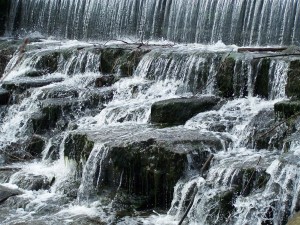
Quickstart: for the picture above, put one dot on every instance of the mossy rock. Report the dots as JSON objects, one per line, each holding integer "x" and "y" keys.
{"x": 287, "y": 109}
{"x": 225, "y": 78}
{"x": 124, "y": 61}
{"x": 4, "y": 97}
{"x": 292, "y": 89}
{"x": 48, "y": 62}
{"x": 78, "y": 147}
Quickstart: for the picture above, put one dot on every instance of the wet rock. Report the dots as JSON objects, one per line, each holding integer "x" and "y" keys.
{"x": 287, "y": 109}
{"x": 261, "y": 84}
{"x": 53, "y": 151}
{"x": 30, "y": 181}
{"x": 14, "y": 152}
{"x": 4, "y": 10}
{"x": 224, "y": 206}
{"x": 59, "y": 92}
{"x": 178, "y": 111}
{"x": 69, "y": 187}
{"x": 6, "y": 172}
{"x": 78, "y": 147}
{"x": 148, "y": 170}
{"x": 104, "y": 81}
{"x": 224, "y": 78}
{"x": 148, "y": 162}
{"x": 265, "y": 132}
{"x": 48, "y": 62}
{"x": 6, "y": 192}
{"x": 4, "y": 96}
{"x": 35, "y": 73}
{"x": 21, "y": 85}
{"x": 120, "y": 60}
{"x": 36, "y": 145}
{"x": 292, "y": 89}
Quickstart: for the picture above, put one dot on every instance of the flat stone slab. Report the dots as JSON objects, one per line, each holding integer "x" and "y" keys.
{"x": 23, "y": 84}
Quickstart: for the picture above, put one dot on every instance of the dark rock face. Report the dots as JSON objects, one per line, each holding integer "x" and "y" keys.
{"x": 36, "y": 145}
{"x": 148, "y": 171}
{"x": 293, "y": 83}
{"x": 287, "y": 109}
{"x": 225, "y": 78}
{"x": 178, "y": 111}
{"x": 4, "y": 97}
{"x": 4, "y": 9}
{"x": 78, "y": 147}
{"x": 142, "y": 167}
{"x": 6, "y": 172}
{"x": 6, "y": 192}
{"x": 21, "y": 85}
{"x": 31, "y": 182}
{"x": 48, "y": 62}
{"x": 265, "y": 132}
{"x": 104, "y": 81}
{"x": 261, "y": 84}
{"x": 120, "y": 60}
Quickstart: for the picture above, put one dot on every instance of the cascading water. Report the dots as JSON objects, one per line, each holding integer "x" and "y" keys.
{"x": 244, "y": 22}
{"x": 78, "y": 141}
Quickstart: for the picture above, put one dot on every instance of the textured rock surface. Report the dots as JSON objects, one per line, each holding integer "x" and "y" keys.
{"x": 178, "y": 111}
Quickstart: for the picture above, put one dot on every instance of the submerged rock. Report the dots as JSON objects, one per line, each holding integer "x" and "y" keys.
{"x": 178, "y": 111}
{"x": 266, "y": 132}
{"x": 104, "y": 81}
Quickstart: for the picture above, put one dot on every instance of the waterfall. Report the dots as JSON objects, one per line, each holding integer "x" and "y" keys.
{"x": 244, "y": 184}
{"x": 240, "y": 22}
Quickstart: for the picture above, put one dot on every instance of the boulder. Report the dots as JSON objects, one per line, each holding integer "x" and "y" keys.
{"x": 6, "y": 192}
{"x": 30, "y": 181}
{"x": 140, "y": 168}
{"x": 104, "y": 81}
{"x": 178, "y": 111}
